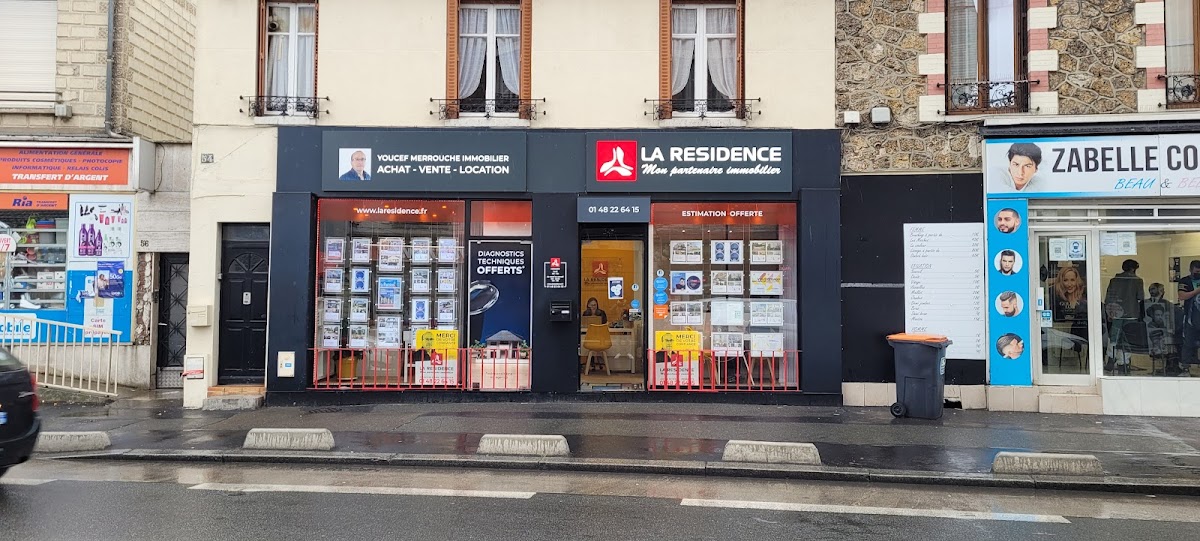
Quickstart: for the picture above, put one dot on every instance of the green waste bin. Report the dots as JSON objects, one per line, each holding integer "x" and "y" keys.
{"x": 920, "y": 374}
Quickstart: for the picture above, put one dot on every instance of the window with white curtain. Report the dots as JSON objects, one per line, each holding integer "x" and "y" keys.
{"x": 1183, "y": 59}
{"x": 704, "y": 59}
{"x": 289, "y": 76}
{"x": 489, "y": 59}
{"x": 985, "y": 54}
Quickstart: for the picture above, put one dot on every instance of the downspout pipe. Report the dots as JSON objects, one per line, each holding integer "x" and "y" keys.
{"x": 108, "y": 81}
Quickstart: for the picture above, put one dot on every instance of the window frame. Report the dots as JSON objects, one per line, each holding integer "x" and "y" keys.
{"x": 293, "y": 34}
{"x": 666, "y": 34}
{"x": 490, "y": 71}
{"x": 982, "y": 77}
{"x": 451, "y": 109}
{"x": 700, "y": 55}
{"x": 1185, "y": 87}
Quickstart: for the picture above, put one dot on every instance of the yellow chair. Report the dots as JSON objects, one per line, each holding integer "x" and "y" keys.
{"x": 597, "y": 340}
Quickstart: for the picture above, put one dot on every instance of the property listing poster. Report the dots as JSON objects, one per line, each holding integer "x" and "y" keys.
{"x": 499, "y": 295}
{"x": 100, "y": 264}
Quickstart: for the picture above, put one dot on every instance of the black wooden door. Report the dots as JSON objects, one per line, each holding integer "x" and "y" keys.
{"x": 244, "y": 266}
{"x": 172, "y": 318}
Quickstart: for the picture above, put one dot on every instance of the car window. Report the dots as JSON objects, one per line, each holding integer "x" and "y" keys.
{"x": 8, "y": 363}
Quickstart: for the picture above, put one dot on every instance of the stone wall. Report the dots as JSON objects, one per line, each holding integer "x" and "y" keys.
{"x": 1096, "y": 43}
{"x": 877, "y": 47}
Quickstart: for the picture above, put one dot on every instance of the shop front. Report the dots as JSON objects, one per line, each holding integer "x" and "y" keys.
{"x": 1093, "y": 258}
{"x": 458, "y": 262}
{"x": 66, "y": 243}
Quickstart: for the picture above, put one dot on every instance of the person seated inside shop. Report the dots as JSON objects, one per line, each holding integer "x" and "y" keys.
{"x": 593, "y": 309}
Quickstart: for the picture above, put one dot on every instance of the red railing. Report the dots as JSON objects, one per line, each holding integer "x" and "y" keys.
{"x": 713, "y": 371}
{"x": 380, "y": 369}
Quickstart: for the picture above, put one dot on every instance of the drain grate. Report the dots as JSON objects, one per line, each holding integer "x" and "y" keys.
{"x": 324, "y": 410}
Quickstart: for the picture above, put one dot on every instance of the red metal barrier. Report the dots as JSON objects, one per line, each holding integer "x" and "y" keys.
{"x": 382, "y": 369}
{"x": 713, "y": 371}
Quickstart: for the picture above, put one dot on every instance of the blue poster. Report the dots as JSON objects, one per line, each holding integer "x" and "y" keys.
{"x": 1009, "y": 303}
{"x": 110, "y": 279}
{"x": 500, "y": 293}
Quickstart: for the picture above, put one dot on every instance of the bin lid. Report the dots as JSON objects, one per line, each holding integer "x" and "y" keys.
{"x": 917, "y": 338}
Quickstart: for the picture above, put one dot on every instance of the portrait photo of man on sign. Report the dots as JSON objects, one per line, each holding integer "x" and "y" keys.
{"x": 356, "y": 162}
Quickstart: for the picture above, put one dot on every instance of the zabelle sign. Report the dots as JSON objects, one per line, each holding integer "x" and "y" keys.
{"x": 1106, "y": 166}
{"x": 759, "y": 161}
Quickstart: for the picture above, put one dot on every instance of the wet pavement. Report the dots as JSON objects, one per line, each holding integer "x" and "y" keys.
{"x": 963, "y": 441}
{"x": 225, "y": 501}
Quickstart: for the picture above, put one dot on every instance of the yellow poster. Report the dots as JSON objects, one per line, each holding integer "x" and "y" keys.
{"x": 443, "y": 342}
{"x": 677, "y": 340}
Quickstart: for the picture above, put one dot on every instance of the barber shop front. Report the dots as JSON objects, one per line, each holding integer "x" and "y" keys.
{"x": 654, "y": 264}
{"x": 1093, "y": 262}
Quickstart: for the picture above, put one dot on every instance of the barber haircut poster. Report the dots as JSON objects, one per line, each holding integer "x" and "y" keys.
{"x": 499, "y": 295}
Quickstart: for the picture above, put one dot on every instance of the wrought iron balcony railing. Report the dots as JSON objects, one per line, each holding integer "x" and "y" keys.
{"x": 988, "y": 97}
{"x": 513, "y": 107}
{"x": 1182, "y": 90}
{"x": 737, "y": 108}
{"x": 284, "y": 106}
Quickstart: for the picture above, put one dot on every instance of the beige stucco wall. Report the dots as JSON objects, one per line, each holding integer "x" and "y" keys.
{"x": 382, "y": 69}
{"x": 235, "y": 188}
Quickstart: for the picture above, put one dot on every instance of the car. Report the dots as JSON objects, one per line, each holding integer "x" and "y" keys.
{"x": 19, "y": 423}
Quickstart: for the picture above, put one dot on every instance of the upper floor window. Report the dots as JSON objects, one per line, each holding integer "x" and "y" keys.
{"x": 28, "y": 38}
{"x": 705, "y": 59}
{"x": 288, "y": 75}
{"x": 1183, "y": 58}
{"x": 985, "y": 50}
{"x": 489, "y": 59}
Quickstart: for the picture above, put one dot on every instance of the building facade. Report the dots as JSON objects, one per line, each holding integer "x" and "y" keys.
{"x": 1060, "y": 137}
{"x": 447, "y": 197}
{"x": 95, "y": 133}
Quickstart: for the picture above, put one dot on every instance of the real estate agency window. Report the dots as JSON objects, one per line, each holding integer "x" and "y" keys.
{"x": 985, "y": 50}
{"x": 728, "y": 271}
{"x": 289, "y": 62}
{"x": 489, "y": 59}
{"x": 704, "y": 76}
{"x": 385, "y": 269}
{"x": 1182, "y": 55}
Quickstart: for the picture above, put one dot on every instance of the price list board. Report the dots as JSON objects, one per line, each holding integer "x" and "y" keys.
{"x": 944, "y": 289}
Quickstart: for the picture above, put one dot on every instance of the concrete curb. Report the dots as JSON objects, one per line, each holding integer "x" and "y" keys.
{"x": 1174, "y": 487}
{"x": 289, "y": 439}
{"x": 1046, "y": 464}
{"x": 524, "y": 445}
{"x": 70, "y": 442}
{"x": 771, "y": 452}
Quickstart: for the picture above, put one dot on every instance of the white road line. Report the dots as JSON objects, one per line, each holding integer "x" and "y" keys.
{"x": 389, "y": 491}
{"x": 893, "y": 511}
{"x": 26, "y": 482}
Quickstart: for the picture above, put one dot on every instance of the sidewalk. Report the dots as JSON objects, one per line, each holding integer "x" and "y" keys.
{"x": 1134, "y": 450}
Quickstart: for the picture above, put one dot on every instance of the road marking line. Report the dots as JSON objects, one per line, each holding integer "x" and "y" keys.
{"x": 893, "y": 511}
{"x": 389, "y": 491}
{"x": 27, "y": 482}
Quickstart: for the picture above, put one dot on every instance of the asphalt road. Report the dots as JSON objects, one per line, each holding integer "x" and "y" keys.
{"x": 92, "y": 500}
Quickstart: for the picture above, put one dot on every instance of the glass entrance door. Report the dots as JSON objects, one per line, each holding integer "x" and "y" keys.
{"x": 612, "y": 335}
{"x": 1063, "y": 287}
